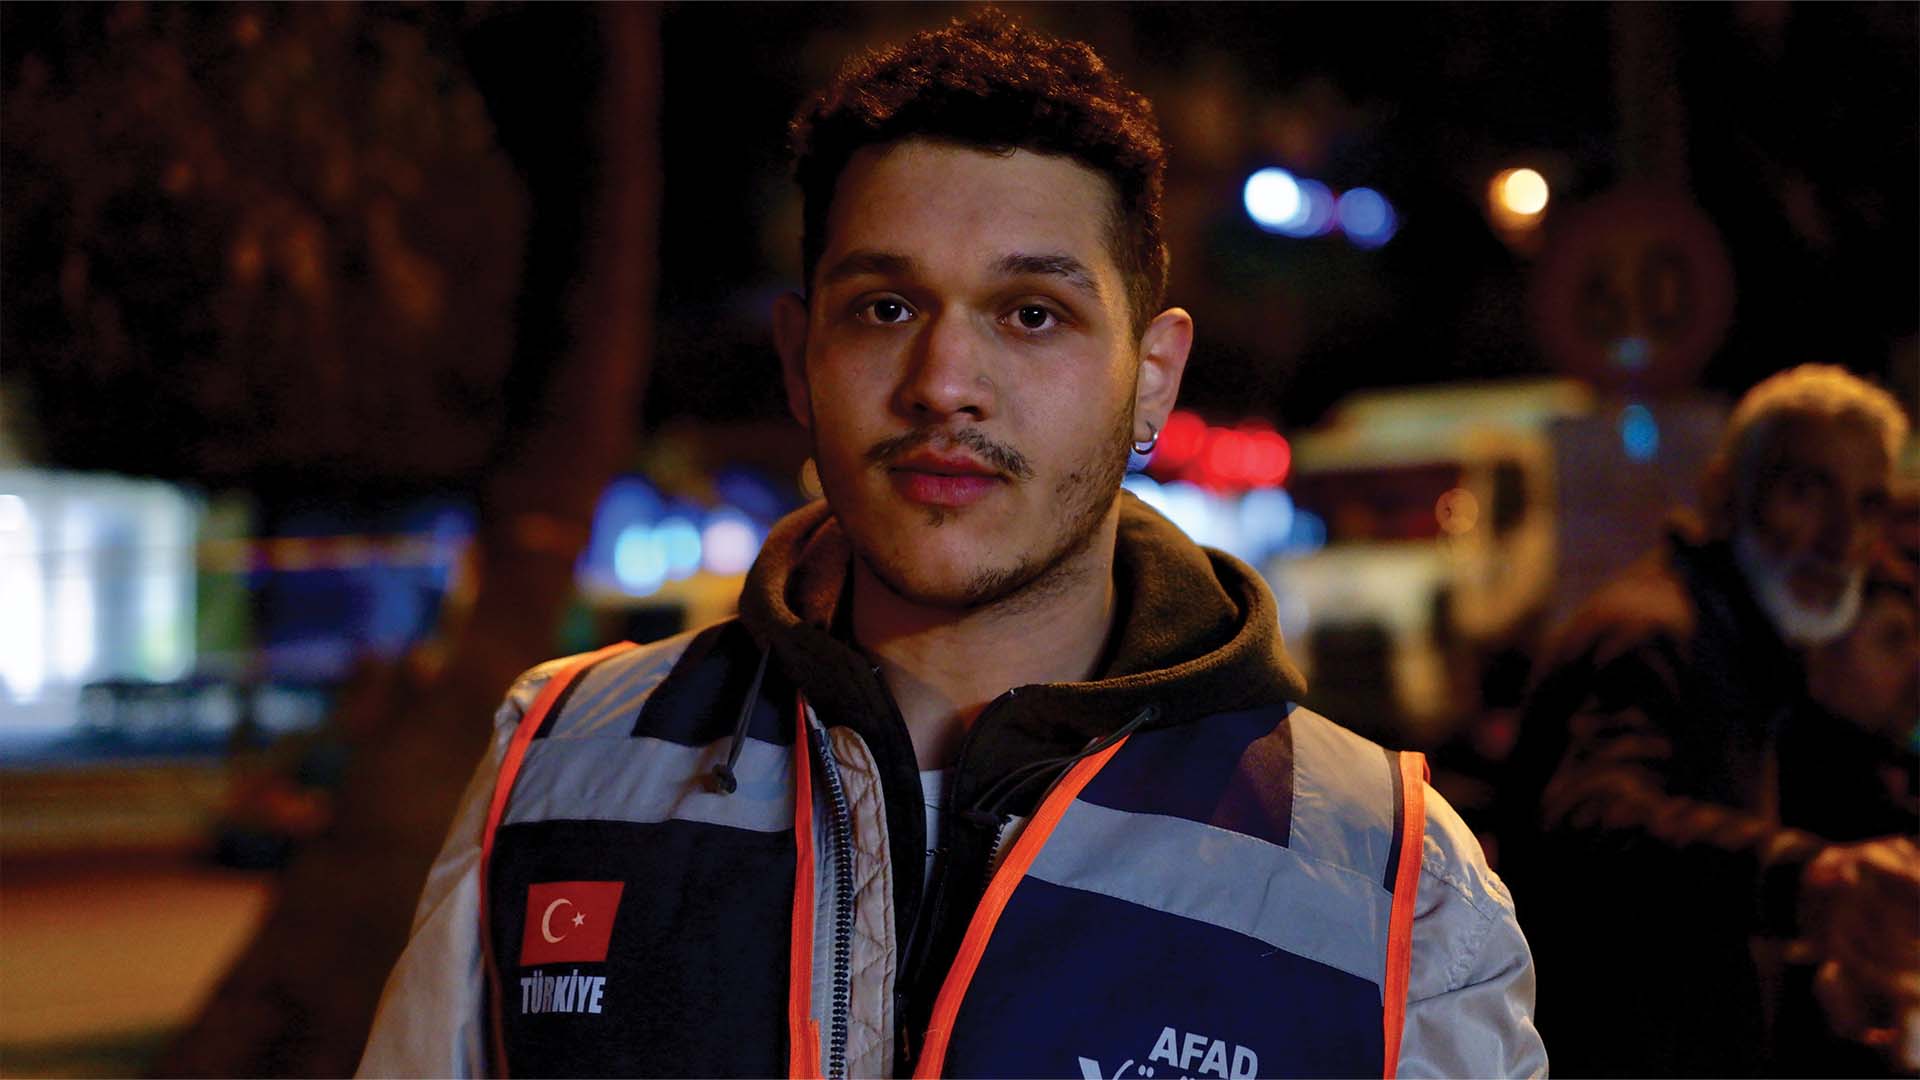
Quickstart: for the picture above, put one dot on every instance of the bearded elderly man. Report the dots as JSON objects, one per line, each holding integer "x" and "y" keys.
{"x": 996, "y": 774}
{"x": 1681, "y": 916}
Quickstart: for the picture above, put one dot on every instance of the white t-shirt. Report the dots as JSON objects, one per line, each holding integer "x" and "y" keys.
{"x": 933, "y": 792}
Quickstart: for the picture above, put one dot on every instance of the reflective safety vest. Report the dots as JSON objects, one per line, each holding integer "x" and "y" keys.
{"x": 1231, "y": 897}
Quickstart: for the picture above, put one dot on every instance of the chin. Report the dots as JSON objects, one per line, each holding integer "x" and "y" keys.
{"x": 930, "y": 573}
{"x": 1818, "y": 598}
{"x": 943, "y": 584}
{"x": 1803, "y": 606}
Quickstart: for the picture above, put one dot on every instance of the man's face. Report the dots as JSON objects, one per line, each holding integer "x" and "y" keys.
{"x": 1821, "y": 507}
{"x": 967, "y": 368}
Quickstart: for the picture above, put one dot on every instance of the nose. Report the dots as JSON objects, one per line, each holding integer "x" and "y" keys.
{"x": 946, "y": 376}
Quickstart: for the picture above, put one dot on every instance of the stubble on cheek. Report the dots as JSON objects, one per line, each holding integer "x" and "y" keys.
{"x": 1081, "y": 499}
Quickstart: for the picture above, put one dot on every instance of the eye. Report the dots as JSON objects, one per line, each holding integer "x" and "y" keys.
{"x": 886, "y": 311}
{"x": 1034, "y": 317}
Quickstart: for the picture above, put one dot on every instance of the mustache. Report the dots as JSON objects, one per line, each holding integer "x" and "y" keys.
{"x": 1002, "y": 457}
{"x": 1824, "y": 568}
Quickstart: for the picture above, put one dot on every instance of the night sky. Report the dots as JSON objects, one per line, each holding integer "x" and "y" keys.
{"x": 1798, "y": 123}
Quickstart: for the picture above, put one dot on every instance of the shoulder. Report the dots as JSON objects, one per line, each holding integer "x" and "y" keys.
{"x": 620, "y": 682}
{"x": 1345, "y": 795}
{"x": 1649, "y": 604}
{"x": 692, "y": 688}
{"x": 1470, "y": 991}
{"x": 1346, "y": 805}
{"x": 1456, "y": 879}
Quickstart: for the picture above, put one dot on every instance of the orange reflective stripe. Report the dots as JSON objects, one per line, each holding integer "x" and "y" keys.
{"x": 803, "y": 1032}
{"x": 946, "y": 1006}
{"x": 1406, "y": 887}
{"x": 813, "y": 1047}
{"x": 523, "y": 734}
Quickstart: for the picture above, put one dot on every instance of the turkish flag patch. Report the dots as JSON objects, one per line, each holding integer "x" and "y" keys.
{"x": 569, "y": 921}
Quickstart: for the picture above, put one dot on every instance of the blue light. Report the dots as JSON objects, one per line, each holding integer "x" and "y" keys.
{"x": 1190, "y": 508}
{"x": 1266, "y": 520}
{"x": 1272, "y": 197}
{"x": 751, "y": 492}
{"x": 628, "y": 502}
{"x": 1147, "y": 489}
{"x": 680, "y": 542}
{"x": 1309, "y": 532}
{"x": 1639, "y": 433}
{"x": 1317, "y": 206}
{"x": 1366, "y": 217}
{"x": 639, "y": 560}
{"x": 729, "y": 542}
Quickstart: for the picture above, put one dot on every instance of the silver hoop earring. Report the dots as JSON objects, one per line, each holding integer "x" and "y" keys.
{"x": 1153, "y": 439}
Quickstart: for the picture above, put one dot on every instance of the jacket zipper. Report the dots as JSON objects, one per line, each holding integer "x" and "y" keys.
{"x": 1000, "y": 840}
{"x": 913, "y": 972}
{"x": 842, "y": 975}
{"x": 943, "y": 887}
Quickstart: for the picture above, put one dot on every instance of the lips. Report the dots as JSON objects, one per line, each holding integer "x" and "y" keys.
{"x": 943, "y": 480}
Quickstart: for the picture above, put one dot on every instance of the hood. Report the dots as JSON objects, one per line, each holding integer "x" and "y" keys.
{"x": 1195, "y": 635}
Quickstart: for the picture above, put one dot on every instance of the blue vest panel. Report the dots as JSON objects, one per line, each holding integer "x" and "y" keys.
{"x": 1074, "y": 983}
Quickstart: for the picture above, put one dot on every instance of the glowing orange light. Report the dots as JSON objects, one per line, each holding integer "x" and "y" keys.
{"x": 1524, "y": 191}
{"x": 1517, "y": 198}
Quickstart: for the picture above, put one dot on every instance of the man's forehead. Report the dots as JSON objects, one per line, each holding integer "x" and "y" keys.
{"x": 925, "y": 204}
{"x": 1835, "y": 444}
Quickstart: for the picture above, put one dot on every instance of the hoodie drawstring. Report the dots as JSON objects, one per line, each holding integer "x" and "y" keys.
{"x": 723, "y": 774}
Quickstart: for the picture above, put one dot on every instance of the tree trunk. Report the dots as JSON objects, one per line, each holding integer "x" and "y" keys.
{"x": 299, "y": 999}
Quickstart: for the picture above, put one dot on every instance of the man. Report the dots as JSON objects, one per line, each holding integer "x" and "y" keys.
{"x": 1671, "y": 881}
{"x": 996, "y": 773}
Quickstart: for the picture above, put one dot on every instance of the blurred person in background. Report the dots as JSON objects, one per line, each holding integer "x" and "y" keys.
{"x": 1857, "y": 777}
{"x": 997, "y": 773}
{"x": 1690, "y": 852}
{"x": 1868, "y": 682}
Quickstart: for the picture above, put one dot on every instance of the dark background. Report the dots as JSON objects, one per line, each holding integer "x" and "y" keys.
{"x": 1797, "y": 121}
{"x": 350, "y": 258}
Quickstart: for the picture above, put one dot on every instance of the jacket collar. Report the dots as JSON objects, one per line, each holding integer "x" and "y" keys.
{"x": 1730, "y": 620}
{"x": 1196, "y": 634}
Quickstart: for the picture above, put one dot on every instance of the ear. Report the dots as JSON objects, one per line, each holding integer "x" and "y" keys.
{"x": 1163, "y": 359}
{"x": 790, "y": 340}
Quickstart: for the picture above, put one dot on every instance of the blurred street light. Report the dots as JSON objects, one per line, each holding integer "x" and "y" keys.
{"x": 1272, "y": 197}
{"x": 1366, "y": 217}
{"x": 1517, "y": 199}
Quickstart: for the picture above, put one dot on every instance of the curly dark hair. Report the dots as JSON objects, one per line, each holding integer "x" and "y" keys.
{"x": 987, "y": 81}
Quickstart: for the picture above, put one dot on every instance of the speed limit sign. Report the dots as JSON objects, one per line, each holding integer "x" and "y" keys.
{"x": 1635, "y": 291}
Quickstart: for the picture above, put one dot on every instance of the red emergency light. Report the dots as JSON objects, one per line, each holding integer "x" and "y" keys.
{"x": 1248, "y": 455}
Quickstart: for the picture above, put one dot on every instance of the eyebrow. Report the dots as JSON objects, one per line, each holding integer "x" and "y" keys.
{"x": 1072, "y": 270}
{"x": 892, "y": 264}
{"x": 862, "y": 263}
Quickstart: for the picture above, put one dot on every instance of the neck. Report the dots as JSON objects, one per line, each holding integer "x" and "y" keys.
{"x": 945, "y": 665}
